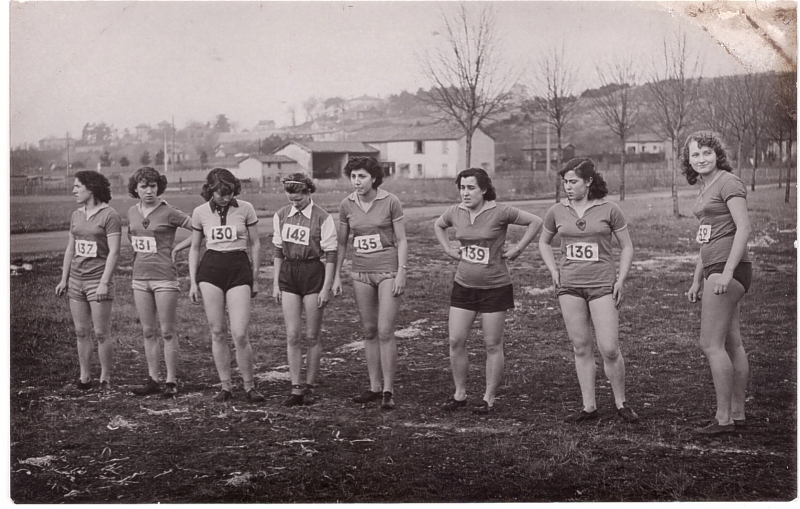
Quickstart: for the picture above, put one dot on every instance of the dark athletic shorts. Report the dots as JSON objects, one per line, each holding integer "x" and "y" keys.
{"x": 225, "y": 269}
{"x": 483, "y": 300}
{"x": 301, "y": 277}
{"x": 743, "y": 273}
{"x": 587, "y": 294}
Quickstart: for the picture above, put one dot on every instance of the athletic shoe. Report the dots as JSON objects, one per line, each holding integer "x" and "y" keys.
{"x": 170, "y": 391}
{"x": 105, "y": 387}
{"x": 453, "y": 404}
{"x": 627, "y": 413}
{"x": 253, "y": 396}
{"x": 367, "y": 396}
{"x": 83, "y": 386}
{"x": 222, "y": 396}
{"x": 715, "y": 428}
{"x": 484, "y": 408}
{"x": 308, "y": 394}
{"x": 294, "y": 400}
{"x": 150, "y": 387}
{"x": 388, "y": 401}
{"x": 582, "y": 416}
{"x": 740, "y": 423}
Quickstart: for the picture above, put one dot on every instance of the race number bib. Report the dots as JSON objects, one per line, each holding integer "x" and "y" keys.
{"x": 219, "y": 234}
{"x": 295, "y": 234}
{"x": 368, "y": 243}
{"x": 583, "y": 252}
{"x": 704, "y": 234}
{"x": 475, "y": 254}
{"x": 86, "y": 248}
{"x": 143, "y": 244}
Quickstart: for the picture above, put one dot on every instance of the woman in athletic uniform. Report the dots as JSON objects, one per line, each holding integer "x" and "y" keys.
{"x": 588, "y": 287}
{"x": 88, "y": 271}
{"x": 375, "y": 217}
{"x": 723, "y": 272}
{"x": 303, "y": 234}
{"x": 225, "y": 275}
{"x": 151, "y": 231}
{"x": 482, "y": 282}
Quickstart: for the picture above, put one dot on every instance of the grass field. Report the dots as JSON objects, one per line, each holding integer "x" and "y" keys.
{"x": 72, "y": 447}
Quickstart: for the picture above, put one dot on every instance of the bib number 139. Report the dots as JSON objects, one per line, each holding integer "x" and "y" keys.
{"x": 475, "y": 254}
{"x": 583, "y": 251}
{"x": 704, "y": 233}
{"x": 225, "y": 233}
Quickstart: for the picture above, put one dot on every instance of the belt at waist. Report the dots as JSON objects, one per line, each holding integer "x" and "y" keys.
{"x": 304, "y": 260}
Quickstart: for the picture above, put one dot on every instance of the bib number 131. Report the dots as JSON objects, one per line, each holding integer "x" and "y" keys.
{"x": 225, "y": 233}
{"x": 583, "y": 251}
{"x": 704, "y": 233}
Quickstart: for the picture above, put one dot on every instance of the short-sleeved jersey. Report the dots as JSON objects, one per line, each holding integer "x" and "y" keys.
{"x": 373, "y": 231}
{"x": 306, "y": 234}
{"x": 587, "y": 260}
{"x": 482, "y": 239}
{"x": 711, "y": 208}
{"x": 238, "y": 214}
{"x": 90, "y": 234}
{"x": 152, "y": 238}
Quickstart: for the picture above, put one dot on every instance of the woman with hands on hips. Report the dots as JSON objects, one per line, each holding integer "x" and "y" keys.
{"x": 722, "y": 275}
{"x": 588, "y": 287}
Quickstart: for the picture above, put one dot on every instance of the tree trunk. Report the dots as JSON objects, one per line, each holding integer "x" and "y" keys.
{"x": 469, "y": 150}
{"x": 558, "y": 166}
{"x": 739, "y": 158}
{"x": 755, "y": 165}
{"x": 788, "y": 169}
{"x": 676, "y": 211}
{"x": 622, "y": 172}
{"x": 780, "y": 162}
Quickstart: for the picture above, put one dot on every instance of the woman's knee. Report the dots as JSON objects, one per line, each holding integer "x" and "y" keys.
{"x": 101, "y": 336}
{"x": 294, "y": 338}
{"x": 582, "y": 348}
{"x": 610, "y": 353}
{"x": 218, "y": 334}
{"x": 83, "y": 333}
{"x": 494, "y": 347}
{"x": 386, "y": 335}
{"x": 370, "y": 332}
{"x": 149, "y": 333}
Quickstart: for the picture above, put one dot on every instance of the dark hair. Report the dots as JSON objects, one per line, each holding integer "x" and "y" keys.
{"x": 704, "y": 139}
{"x": 483, "y": 180}
{"x": 97, "y": 183}
{"x": 219, "y": 179}
{"x": 298, "y": 183}
{"x": 585, "y": 169}
{"x": 367, "y": 163}
{"x": 146, "y": 174}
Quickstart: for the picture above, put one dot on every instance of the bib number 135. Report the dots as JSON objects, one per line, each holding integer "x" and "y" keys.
{"x": 583, "y": 251}
{"x": 225, "y": 233}
{"x": 368, "y": 243}
{"x": 704, "y": 233}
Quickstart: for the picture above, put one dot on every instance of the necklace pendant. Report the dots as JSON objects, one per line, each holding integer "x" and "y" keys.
{"x": 145, "y": 223}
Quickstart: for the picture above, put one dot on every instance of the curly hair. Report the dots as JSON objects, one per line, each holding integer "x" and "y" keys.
{"x": 704, "y": 139}
{"x": 585, "y": 169}
{"x": 220, "y": 179}
{"x": 146, "y": 174}
{"x": 97, "y": 183}
{"x": 483, "y": 180}
{"x": 298, "y": 183}
{"x": 367, "y": 163}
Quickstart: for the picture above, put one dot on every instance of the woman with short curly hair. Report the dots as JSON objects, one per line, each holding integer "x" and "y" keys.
{"x": 723, "y": 271}
{"x": 87, "y": 275}
{"x": 152, "y": 226}
{"x": 225, "y": 277}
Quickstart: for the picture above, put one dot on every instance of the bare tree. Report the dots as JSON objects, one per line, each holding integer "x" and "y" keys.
{"x": 782, "y": 124}
{"x": 469, "y": 83}
{"x": 553, "y": 87}
{"x": 674, "y": 86}
{"x": 758, "y": 101}
{"x": 620, "y": 108}
{"x": 310, "y": 106}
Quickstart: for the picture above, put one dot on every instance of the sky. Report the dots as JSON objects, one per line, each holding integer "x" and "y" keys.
{"x": 126, "y": 63}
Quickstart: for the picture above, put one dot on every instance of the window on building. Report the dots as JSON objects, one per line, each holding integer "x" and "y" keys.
{"x": 419, "y": 147}
{"x": 444, "y": 147}
{"x": 655, "y": 148}
{"x": 631, "y": 150}
{"x": 419, "y": 170}
{"x": 279, "y": 166}
{"x": 444, "y": 169}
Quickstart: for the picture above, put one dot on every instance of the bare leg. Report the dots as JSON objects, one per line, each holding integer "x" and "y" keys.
{"x": 167, "y": 304}
{"x": 292, "y": 305}
{"x": 460, "y": 323}
{"x": 575, "y": 311}
{"x": 741, "y": 368}
{"x": 214, "y": 304}
{"x": 367, "y": 303}
{"x": 493, "y": 327}
{"x": 146, "y": 307}
{"x": 101, "y": 318}
{"x": 238, "y": 299}
{"x": 82, "y": 318}
{"x": 606, "y": 326}
{"x": 313, "y": 325}
{"x": 389, "y": 306}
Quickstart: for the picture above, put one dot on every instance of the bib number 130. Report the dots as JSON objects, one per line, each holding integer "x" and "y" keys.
{"x": 225, "y": 233}
{"x": 583, "y": 251}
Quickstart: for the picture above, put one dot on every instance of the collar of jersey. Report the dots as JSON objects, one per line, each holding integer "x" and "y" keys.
{"x": 306, "y": 211}
{"x": 139, "y": 207}
{"x": 565, "y": 202}
{"x": 487, "y": 205}
{"x": 379, "y": 195}
{"x": 95, "y": 211}
{"x": 215, "y": 207}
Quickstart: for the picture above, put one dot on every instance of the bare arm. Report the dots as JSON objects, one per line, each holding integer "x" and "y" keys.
{"x": 546, "y": 250}
{"x": 341, "y": 240}
{"x": 444, "y": 241}
{"x": 111, "y": 264}
{"x": 69, "y": 254}
{"x": 625, "y": 260}
{"x": 533, "y": 225}
{"x": 254, "y": 242}
{"x": 194, "y": 261}
{"x": 697, "y": 279}
{"x": 402, "y": 257}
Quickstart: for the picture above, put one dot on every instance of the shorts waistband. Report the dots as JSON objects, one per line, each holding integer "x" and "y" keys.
{"x": 235, "y": 251}
{"x": 304, "y": 260}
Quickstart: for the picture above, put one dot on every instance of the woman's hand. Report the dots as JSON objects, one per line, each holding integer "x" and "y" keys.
{"x": 556, "y": 281}
{"x": 399, "y": 284}
{"x": 721, "y": 282}
{"x": 174, "y": 255}
{"x": 276, "y": 293}
{"x": 323, "y": 297}
{"x": 694, "y": 294}
{"x": 617, "y": 293}
{"x": 511, "y": 253}
{"x": 61, "y": 289}
{"x": 454, "y": 253}
{"x": 194, "y": 294}
{"x": 102, "y": 291}
{"x": 337, "y": 286}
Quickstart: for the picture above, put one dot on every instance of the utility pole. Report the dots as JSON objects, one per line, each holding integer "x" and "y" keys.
{"x": 173, "y": 142}
{"x": 166, "y": 154}
{"x": 68, "y": 153}
{"x": 547, "y": 150}
{"x": 533, "y": 151}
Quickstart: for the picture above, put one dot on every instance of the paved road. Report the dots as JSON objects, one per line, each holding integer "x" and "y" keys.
{"x": 45, "y": 242}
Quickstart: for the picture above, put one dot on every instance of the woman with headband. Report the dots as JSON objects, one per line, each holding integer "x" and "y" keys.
{"x": 304, "y": 235}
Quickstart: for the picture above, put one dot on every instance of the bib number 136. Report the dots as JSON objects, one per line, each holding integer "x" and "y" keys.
{"x": 583, "y": 251}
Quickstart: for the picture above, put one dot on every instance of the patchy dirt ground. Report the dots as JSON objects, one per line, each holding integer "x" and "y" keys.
{"x": 68, "y": 446}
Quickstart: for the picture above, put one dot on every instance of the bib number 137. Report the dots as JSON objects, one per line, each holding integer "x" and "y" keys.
{"x": 704, "y": 233}
{"x": 583, "y": 251}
